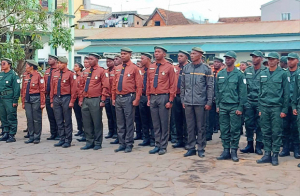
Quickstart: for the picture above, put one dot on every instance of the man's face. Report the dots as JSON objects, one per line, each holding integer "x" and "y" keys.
{"x": 117, "y": 61}
{"x": 159, "y": 54}
{"x": 196, "y": 56}
{"x": 110, "y": 63}
{"x": 86, "y": 63}
{"x": 4, "y": 65}
{"x": 256, "y": 60}
{"x": 28, "y": 68}
{"x": 273, "y": 62}
{"x": 139, "y": 64}
{"x": 229, "y": 61}
{"x": 93, "y": 61}
{"x": 217, "y": 65}
{"x": 292, "y": 62}
{"x": 182, "y": 58}
{"x": 51, "y": 61}
{"x": 144, "y": 60}
{"x": 61, "y": 65}
{"x": 283, "y": 64}
{"x": 76, "y": 68}
{"x": 243, "y": 66}
{"x": 125, "y": 56}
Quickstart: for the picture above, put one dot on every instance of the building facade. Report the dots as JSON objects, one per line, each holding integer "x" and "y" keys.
{"x": 278, "y": 10}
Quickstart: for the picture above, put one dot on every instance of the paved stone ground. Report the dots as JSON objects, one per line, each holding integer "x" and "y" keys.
{"x": 44, "y": 170}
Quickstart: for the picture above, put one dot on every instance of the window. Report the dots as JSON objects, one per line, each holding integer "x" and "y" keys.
{"x": 157, "y": 23}
{"x": 91, "y": 23}
{"x": 77, "y": 59}
{"x": 137, "y": 22}
{"x": 286, "y": 16}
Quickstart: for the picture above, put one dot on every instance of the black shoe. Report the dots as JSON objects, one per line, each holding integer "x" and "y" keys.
{"x": 162, "y": 151}
{"x": 225, "y": 155}
{"x": 29, "y": 141}
{"x": 115, "y": 136}
{"x": 234, "y": 156}
{"x": 57, "y": 138}
{"x": 36, "y": 141}
{"x": 115, "y": 142}
{"x": 66, "y": 145}
{"x": 258, "y": 148}
{"x": 83, "y": 139}
{"x": 109, "y": 135}
{"x": 296, "y": 152}
{"x": 152, "y": 144}
{"x": 173, "y": 141}
{"x": 275, "y": 161}
{"x": 179, "y": 145}
{"x": 285, "y": 150}
{"x": 26, "y": 130}
{"x": 138, "y": 136}
{"x": 299, "y": 165}
{"x": 190, "y": 152}
{"x": 155, "y": 150}
{"x": 215, "y": 131}
{"x": 52, "y": 137}
{"x": 128, "y": 149}
{"x": 249, "y": 148}
{"x": 121, "y": 148}
{"x": 208, "y": 139}
{"x": 87, "y": 146}
{"x": 201, "y": 153}
{"x": 4, "y": 137}
{"x": 59, "y": 144}
{"x": 97, "y": 147}
{"x": 26, "y": 136}
{"x": 11, "y": 139}
{"x": 79, "y": 133}
{"x": 265, "y": 159}
{"x": 145, "y": 143}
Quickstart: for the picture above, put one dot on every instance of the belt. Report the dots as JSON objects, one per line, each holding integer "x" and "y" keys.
{"x": 160, "y": 94}
{"x": 93, "y": 97}
{"x": 34, "y": 94}
{"x": 126, "y": 95}
{"x": 178, "y": 95}
{"x": 6, "y": 92}
{"x": 144, "y": 94}
{"x": 64, "y": 95}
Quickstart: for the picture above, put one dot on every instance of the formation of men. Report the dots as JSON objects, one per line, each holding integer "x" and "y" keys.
{"x": 201, "y": 99}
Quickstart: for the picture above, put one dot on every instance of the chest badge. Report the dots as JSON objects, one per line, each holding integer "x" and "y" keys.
{"x": 6, "y": 82}
{"x": 96, "y": 77}
{"x": 64, "y": 81}
{"x": 128, "y": 75}
{"x": 32, "y": 84}
{"x": 163, "y": 73}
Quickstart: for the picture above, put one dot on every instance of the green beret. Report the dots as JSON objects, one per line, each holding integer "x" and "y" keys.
{"x": 125, "y": 49}
{"x": 95, "y": 55}
{"x": 7, "y": 60}
{"x": 169, "y": 59}
{"x": 62, "y": 59}
{"x": 218, "y": 59}
{"x": 231, "y": 54}
{"x": 293, "y": 55}
{"x": 184, "y": 52}
{"x": 147, "y": 55}
{"x": 273, "y": 55}
{"x": 110, "y": 57}
{"x": 52, "y": 56}
{"x": 32, "y": 62}
{"x": 198, "y": 49}
{"x": 284, "y": 59}
{"x": 160, "y": 47}
{"x": 257, "y": 53}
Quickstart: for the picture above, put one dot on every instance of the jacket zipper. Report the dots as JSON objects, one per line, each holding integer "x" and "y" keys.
{"x": 193, "y": 86}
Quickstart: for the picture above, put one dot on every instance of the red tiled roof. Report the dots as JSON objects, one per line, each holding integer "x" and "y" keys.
{"x": 170, "y": 17}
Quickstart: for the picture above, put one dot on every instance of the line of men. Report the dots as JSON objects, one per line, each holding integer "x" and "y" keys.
{"x": 268, "y": 97}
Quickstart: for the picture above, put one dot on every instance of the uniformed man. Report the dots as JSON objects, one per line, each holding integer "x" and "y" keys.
{"x": 86, "y": 62}
{"x": 273, "y": 107}
{"x": 230, "y": 99}
{"x": 126, "y": 92}
{"x": 137, "y": 118}
{"x": 94, "y": 88}
{"x": 62, "y": 97}
{"x": 283, "y": 62}
{"x": 243, "y": 66}
{"x": 252, "y": 75}
{"x": 9, "y": 96}
{"x": 177, "y": 109}
{"x": 161, "y": 90}
{"x": 250, "y": 63}
{"x": 147, "y": 126}
{"x": 33, "y": 100}
{"x": 52, "y": 61}
{"x": 197, "y": 89}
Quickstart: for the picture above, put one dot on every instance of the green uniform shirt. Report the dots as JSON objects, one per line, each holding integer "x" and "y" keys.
{"x": 10, "y": 86}
{"x": 231, "y": 88}
{"x": 296, "y": 90}
{"x": 253, "y": 82}
{"x": 292, "y": 77}
{"x": 274, "y": 89}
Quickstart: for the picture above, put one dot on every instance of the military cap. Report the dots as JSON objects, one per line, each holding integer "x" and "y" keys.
{"x": 118, "y": 55}
{"x": 63, "y": 59}
{"x": 264, "y": 61}
{"x": 7, "y": 60}
{"x": 283, "y": 59}
{"x": 86, "y": 57}
{"x": 257, "y": 53}
{"x": 198, "y": 49}
{"x": 80, "y": 65}
{"x": 273, "y": 55}
{"x": 169, "y": 59}
{"x": 160, "y": 47}
{"x": 293, "y": 55}
{"x": 125, "y": 49}
{"x": 32, "y": 62}
{"x": 147, "y": 55}
{"x": 53, "y": 56}
{"x": 218, "y": 59}
{"x": 95, "y": 55}
{"x": 184, "y": 52}
{"x": 231, "y": 54}
{"x": 110, "y": 57}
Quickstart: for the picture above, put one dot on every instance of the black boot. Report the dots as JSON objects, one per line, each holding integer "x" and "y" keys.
{"x": 29, "y": 141}
{"x": 296, "y": 151}
{"x": 115, "y": 142}
{"x": 190, "y": 152}
{"x": 121, "y": 148}
{"x": 225, "y": 155}
{"x": 179, "y": 145}
{"x": 258, "y": 148}
{"x": 52, "y": 137}
{"x": 275, "y": 161}
{"x": 87, "y": 146}
{"x": 79, "y": 133}
{"x": 155, "y": 150}
{"x": 27, "y": 135}
{"x": 128, "y": 149}
{"x": 83, "y": 139}
{"x": 201, "y": 153}
{"x": 11, "y": 138}
{"x": 299, "y": 165}
{"x": 249, "y": 148}
{"x": 138, "y": 136}
{"x": 285, "y": 150}
{"x": 26, "y": 130}
{"x": 4, "y": 137}
{"x": 146, "y": 142}
{"x": 115, "y": 136}
{"x": 59, "y": 144}
{"x": 265, "y": 159}
{"x": 109, "y": 135}
{"x": 234, "y": 156}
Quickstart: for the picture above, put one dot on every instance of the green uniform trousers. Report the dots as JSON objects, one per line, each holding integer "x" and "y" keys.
{"x": 271, "y": 127}
{"x": 230, "y": 125}
{"x": 252, "y": 121}
{"x": 290, "y": 128}
{"x": 8, "y": 116}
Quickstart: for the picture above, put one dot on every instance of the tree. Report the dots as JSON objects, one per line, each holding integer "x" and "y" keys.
{"x": 23, "y": 23}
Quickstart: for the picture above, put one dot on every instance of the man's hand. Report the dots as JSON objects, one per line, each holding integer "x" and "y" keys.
{"x": 42, "y": 107}
{"x": 282, "y": 115}
{"x": 238, "y": 112}
{"x": 259, "y": 114}
{"x": 51, "y": 105}
{"x": 102, "y": 104}
{"x": 23, "y": 106}
{"x": 71, "y": 105}
{"x": 80, "y": 103}
{"x": 218, "y": 110}
{"x": 295, "y": 112}
{"x": 148, "y": 103}
{"x": 135, "y": 102}
{"x": 183, "y": 106}
{"x": 168, "y": 105}
{"x": 15, "y": 105}
{"x": 207, "y": 107}
{"x": 114, "y": 102}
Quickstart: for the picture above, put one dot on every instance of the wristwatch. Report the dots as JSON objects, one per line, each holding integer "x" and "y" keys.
{"x": 171, "y": 102}
{"x": 102, "y": 101}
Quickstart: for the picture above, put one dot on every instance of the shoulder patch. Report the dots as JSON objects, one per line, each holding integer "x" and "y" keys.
{"x": 18, "y": 81}
{"x": 42, "y": 81}
{"x": 106, "y": 75}
{"x": 140, "y": 72}
{"x": 245, "y": 81}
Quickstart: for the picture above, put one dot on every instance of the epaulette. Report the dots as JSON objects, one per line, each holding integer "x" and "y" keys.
{"x": 285, "y": 69}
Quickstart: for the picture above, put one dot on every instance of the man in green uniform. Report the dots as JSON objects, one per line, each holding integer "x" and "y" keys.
{"x": 252, "y": 75}
{"x": 9, "y": 96}
{"x": 231, "y": 95}
{"x": 273, "y": 102}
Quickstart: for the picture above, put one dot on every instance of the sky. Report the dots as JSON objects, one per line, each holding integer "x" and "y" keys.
{"x": 193, "y": 9}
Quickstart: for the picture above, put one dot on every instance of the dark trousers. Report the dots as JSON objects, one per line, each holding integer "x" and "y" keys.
{"x": 290, "y": 128}
{"x": 160, "y": 118}
{"x": 51, "y": 117}
{"x": 195, "y": 120}
{"x": 125, "y": 113}
{"x": 92, "y": 121}
{"x": 138, "y": 121}
{"x": 33, "y": 113}
{"x": 179, "y": 118}
{"x": 212, "y": 122}
{"x": 252, "y": 121}
{"x": 8, "y": 116}
{"x": 63, "y": 117}
{"x": 111, "y": 116}
{"x": 78, "y": 115}
{"x": 147, "y": 126}
{"x": 172, "y": 126}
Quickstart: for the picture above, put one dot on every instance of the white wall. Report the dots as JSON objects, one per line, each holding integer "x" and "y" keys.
{"x": 273, "y": 11}
{"x": 86, "y": 24}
